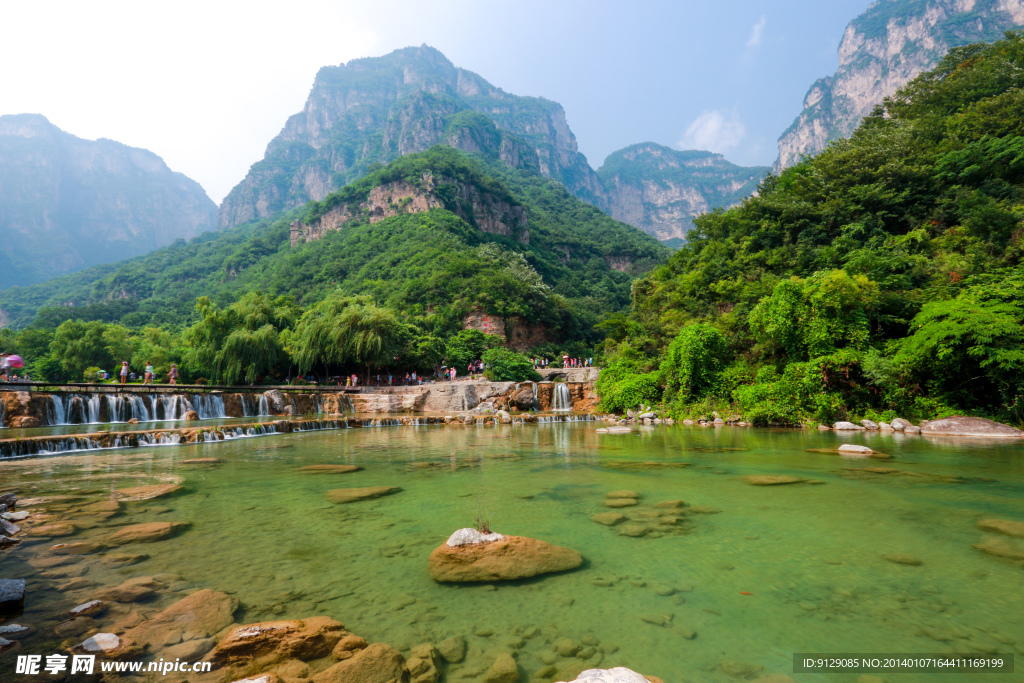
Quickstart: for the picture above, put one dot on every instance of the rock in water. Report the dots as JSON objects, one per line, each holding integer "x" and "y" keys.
{"x": 847, "y": 426}
{"x": 146, "y": 533}
{"x": 191, "y": 416}
{"x": 203, "y": 613}
{"x": 511, "y": 557}
{"x": 970, "y": 426}
{"x": 330, "y": 469}
{"x": 855, "y": 449}
{"x": 101, "y": 642}
{"x": 619, "y": 674}
{"x": 363, "y": 493}
{"x": 901, "y": 558}
{"x": 772, "y": 480}
{"x": 1002, "y": 526}
{"x": 869, "y": 425}
{"x": 12, "y": 596}
{"x": 378, "y": 663}
{"x": 310, "y": 638}
{"x": 453, "y": 649}
{"x": 504, "y": 670}
{"x": 609, "y": 518}
{"x": 470, "y": 536}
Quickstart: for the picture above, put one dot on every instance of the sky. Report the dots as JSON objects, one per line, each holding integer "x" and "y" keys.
{"x": 206, "y": 85}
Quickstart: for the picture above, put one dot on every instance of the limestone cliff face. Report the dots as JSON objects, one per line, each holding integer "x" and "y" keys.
{"x": 488, "y": 213}
{"x": 374, "y": 110}
{"x": 882, "y": 50}
{"x": 660, "y": 190}
{"x": 68, "y": 203}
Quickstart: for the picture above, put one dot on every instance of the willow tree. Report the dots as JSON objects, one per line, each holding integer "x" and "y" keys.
{"x": 342, "y": 330}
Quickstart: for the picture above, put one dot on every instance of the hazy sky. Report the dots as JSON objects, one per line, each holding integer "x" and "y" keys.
{"x": 206, "y": 85}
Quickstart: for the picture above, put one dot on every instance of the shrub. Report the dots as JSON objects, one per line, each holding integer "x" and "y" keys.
{"x": 506, "y": 365}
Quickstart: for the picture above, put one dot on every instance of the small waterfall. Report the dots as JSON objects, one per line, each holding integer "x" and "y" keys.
{"x": 563, "y": 400}
{"x": 93, "y": 405}
{"x": 171, "y": 407}
{"x": 264, "y": 407}
{"x": 55, "y": 413}
{"x": 208, "y": 406}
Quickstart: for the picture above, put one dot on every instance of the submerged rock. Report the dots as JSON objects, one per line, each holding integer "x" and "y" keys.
{"x": 201, "y": 615}
{"x": 422, "y": 664}
{"x": 901, "y": 558}
{"x": 453, "y": 649}
{"x": 620, "y": 502}
{"x": 1002, "y": 526}
{"x": 147, "y": 492}
{"x": 609, "y": 518}
{"x": 772, "y": 480}
{"x": 101, "y": 642}
{"x": 364, "y": 493}
{"x": 622, "y": 494}
{"x": 148, "y": 532}
{"x": 999, "y": 547}
{"x": 511, "y": 557}
{"x": 330, "y": 469}
{"x": 970, "y": 426}
{"x": 503, "y": 670}
{"x": 378, "y": 663}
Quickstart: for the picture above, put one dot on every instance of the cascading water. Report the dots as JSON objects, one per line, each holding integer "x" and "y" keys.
{"x": 208, "y": 407}
{"x": 93, "y": 406}
{"x": 562, "y": 401}
{"x": 263, "y": 407}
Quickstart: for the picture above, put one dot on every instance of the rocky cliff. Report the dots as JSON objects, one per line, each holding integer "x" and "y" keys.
{"x": 491, "y": 214}
{"x": 68, "y": 203}
{"x": 660, "y": 190}
{"x": 371, "y": 111}
{"x": 882, "y": 50}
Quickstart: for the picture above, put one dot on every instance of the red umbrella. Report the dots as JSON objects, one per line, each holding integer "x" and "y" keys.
{"x": 15, "y": 361}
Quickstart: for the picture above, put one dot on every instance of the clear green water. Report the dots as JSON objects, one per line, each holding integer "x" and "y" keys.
{"x": 811, "y": 556}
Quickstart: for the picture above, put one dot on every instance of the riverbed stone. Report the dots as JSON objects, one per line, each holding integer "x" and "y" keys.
{"x": 422, "y": 664}
{"x": 453, "y": 649}
{"x": 347, "y": 647}
{"x": 124, "y": 559}
{"x": 512, "y": 557}
{"x": 847, "y": 426}
{"x": 137, "y": 493}
{"x": 87, "y": 608}
{"x": 202, "y": 461}
{"x": 202, "y": 614}
{"x": 15, "y": 516}
{"x": 1002, "y": 526}
{"x": 7, "y": 541}
{"x": 305, "y": 639}
{"x": 970, "y": 426}
{"x": 772, "y": 480}
{"x": 622, "y": 494}
{"x": 341, "y": 496}
{"x": 147, "y": 532}
{"x": 855, "y": 449}
{"x": 903, "y": 558}
{"x": 1001, "y": 547}
{"x": 377, "y": 663}
{"x": 609, "y": 518}
{"x": 870, "y": 425}
{"x": 84, "y": 548}
{"x": 633, "y": 530}
{"x": 899, "y": 424}
{"x": 12, "y": 596}
{"x": 330, "y": 469}
{"x": 53, "y": 530}
{"x": 503, "y": 670}
{"x": 129, "y": 591}
{"x": 101, "y": 642}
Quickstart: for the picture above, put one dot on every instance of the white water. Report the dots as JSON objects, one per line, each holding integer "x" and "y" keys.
{"x": 562, "y": 401}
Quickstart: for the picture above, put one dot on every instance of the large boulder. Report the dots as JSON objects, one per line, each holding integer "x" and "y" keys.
{"x": 970, "y": 426}
{"x": 378, "y": 663}
{"x": 899, "y": 424}
{"x": 509, "y": 557}
{"x": 847, "y": 426}
{"x": 524, "y": 397}
{"x": 619, "y": 674}
{"x": 200, "y": 615}
{"x": 503, "y": 670}
{"x": 275, "y": 399}
{"x": 304, "y": 639}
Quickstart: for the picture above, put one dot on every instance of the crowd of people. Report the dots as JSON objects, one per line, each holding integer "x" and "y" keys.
{"x": 567, "y": 362}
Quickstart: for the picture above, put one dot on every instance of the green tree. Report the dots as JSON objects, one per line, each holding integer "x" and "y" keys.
{"x": 506, "y": 365}
{"x": 693, "y": 362}
{"x": 469, "y": 345}
{"x": 80, "y": 345}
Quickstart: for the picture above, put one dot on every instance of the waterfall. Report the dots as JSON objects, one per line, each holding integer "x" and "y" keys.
{"x": 94, "y": 408}
{"x": 562, "y": 400}
{"x": 172, "y": 407}
{"x": 55, "y": 413}
{"x": 264, "y": 406}
{"x": 208, "y": 407}
{"x": 138, "y": 408}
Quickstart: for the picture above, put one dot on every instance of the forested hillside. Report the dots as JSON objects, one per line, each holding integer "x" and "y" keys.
{"x": 426, "y": 269}
{"x": 881, "y": 277}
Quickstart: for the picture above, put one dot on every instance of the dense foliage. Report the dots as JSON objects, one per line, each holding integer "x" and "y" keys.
{"x": 392, "y": 293}
{"x": 881, "y": 277}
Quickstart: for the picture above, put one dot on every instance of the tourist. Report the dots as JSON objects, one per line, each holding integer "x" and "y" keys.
{"x": 4, "y": 367}
{"x": 172, "y": 376}
{"x": 124, "y": 372}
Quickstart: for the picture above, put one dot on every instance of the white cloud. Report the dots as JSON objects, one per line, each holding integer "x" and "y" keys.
{"x": 757, "y": 32}
{"x": 715, "y": 131}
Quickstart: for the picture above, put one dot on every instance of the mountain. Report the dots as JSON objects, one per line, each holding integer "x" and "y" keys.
{"x": 882, "y": 278}
{"x": 660, "y": 190}
{"x": 68, "y": 203}
{"x": 372, "y": 111}
{"x": 882, "y": 50}
{"x": 442, "y": 234}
